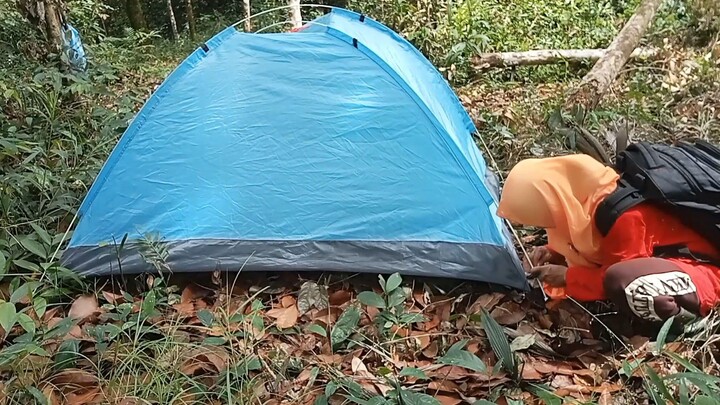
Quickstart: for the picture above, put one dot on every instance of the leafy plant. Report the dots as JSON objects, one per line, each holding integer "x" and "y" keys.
{"x": 391, "y": 303}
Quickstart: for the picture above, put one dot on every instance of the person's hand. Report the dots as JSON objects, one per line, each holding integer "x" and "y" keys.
{"x": 551, "y": 274}
{"x": 540, "y": 256}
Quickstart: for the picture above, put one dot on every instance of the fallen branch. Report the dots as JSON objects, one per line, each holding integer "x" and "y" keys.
{"x": 603, "y": 74}
{"x": 549, "y": 56}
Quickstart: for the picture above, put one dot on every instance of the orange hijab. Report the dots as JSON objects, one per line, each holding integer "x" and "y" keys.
{"x": 561, "y": 195}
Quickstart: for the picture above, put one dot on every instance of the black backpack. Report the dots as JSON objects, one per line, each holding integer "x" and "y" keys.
{"x": 683, "y": 179}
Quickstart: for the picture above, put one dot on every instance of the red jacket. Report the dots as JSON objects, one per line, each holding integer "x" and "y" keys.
{"x": 635, "y": 234}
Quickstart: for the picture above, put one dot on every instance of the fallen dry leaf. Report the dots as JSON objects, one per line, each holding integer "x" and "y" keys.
{"x": 284, "y": 317}
{"x": 448, "y": 399}
{"x": 487, "y": 301}
{"x": 77, "y": 386}
{"x": 113, "y": 298}
{"x": 210, "y": 359}
{"x": 508, "y": 313}
{"x": 191, "y": 292}
{"x": 84, "y": 307}
{"x": 339, "y": 297}
{"x": 431, "y": 351}
{"x": 287, "y": 301}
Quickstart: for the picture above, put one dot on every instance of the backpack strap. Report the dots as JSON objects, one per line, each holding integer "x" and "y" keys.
{"x": 615, "y": 204}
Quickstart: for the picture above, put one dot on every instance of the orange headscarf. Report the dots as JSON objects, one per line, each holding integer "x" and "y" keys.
{"x": 561, "y": 195}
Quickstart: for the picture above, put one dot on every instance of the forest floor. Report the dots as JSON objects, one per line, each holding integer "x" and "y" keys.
{"x": 317, "y": 339}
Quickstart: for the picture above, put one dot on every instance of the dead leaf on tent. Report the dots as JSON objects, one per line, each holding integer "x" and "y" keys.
{"x": 84, "y": 307}
{"x": 113, "y": 298}
{"x": 284, "y": 317}
{"x": 508, "y": 313}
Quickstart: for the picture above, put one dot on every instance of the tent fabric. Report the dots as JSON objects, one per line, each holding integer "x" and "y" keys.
{"x": 334, "y": 148}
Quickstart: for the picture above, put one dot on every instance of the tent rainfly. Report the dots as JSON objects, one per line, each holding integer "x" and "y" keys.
{"x": 337, "y": 147}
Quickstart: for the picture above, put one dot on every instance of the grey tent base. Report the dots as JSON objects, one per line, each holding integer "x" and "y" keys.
{"x": 466, "y": 261}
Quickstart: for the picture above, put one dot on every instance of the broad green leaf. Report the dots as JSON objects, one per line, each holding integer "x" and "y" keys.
{"x": 684, "y": 362}
{"x": 8, "y": 316}
{"x": 455, "y": 356}
{"x": 345, "y": 325}
{"x": 415, "y": 398}
{"x": 26, "y": 323}
{"x": 393, "y": 282}
{"x": 206, "y": 317}
{"x": 397, "y": 297}
{"x": 413, "y": 372}
{"x": 38, "y": 395}
{"x": 40, "y": 306}
{"x": 24, "y": 291}
{"x": 371, "y": 299}
{"x": 42, "y": 233}
{"x": 321, "y": 400}
{"x": 148, "y": 304}
{"x": 499, "y": 343}
{"x": 60, "y": 329}
{"x": 706, "y": 400}
{"x": 67, "y": 354}
{"x": 24, "y": 264}
{"x": 317, "y": 329}
{"x": 3, "y": 263}
{"x": 331, "y": 388}
{"x": 246, "y": 365}
{"x": 312, "y": 295}
{"x": 34, "y": 247}
{"x": 662, "y": 336}
{"x": 522, "y": 342}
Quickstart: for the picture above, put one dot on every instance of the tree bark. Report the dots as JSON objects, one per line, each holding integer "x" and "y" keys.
{"x": 548, "y": 56}
{"x": 135, "y": 14}
{"x": 295, "y": 13}
{"x": 604, "y": 72}
{"x": 248, "y": 13}
{"x": 173, "y": 22}
{"x": 191, "y": 19}
{"x": 46, "y": 15}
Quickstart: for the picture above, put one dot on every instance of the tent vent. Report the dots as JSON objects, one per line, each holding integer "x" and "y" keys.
{"x": 362, "y": 17}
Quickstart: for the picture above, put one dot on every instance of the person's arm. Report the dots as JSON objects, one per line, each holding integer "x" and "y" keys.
{"x": 626, "y": 240}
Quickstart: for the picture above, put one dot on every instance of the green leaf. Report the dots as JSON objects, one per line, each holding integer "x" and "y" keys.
{"x": 483, "y": 402}
{"x": 24, "y": 291}
{"x": 67, "y": 354}
{"x": 317, "y": 329}
{"x": 523, "y": 342}
{"x": 455, "y": 356}
{"x": 397, "y": 297}
{"x": 345, "y": 326}
{"x": 499, "y": 343}
{"x": 684, "y": 362}
{"x": 206, "y": 317}
{"x": 40, "y": 306}
{"x": 331, "y": 388}
{"x": 371, "y": 299}
{"x": 34, "y": 247}
{"x": 42, "y": 233}
{"x": 148, "y": 304}
{"x": 393, "y": 282}
{"x": 246, "y": 365}
{"x": 706, "y": 400}
{"x": 3, "y": 263}
{"x": 24, "y": 264}
{"x": 413, "y": 372}
{"x": 415, "y": 398}
{"x": 658, "y": 383}
{"x": 662, "y": 335}
{"x": 8, "y": 316}
{"x": 312, "y": 295}
{"x": 60, "y": 329}
{"x": 38, "y": 395}
{"x": 321, "y": 400}
{"x": 214, "y": 341}
{"x": 26, "y": 323}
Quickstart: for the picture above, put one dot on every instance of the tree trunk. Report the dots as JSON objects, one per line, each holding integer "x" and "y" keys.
{"x": 603, "y": 74}
{"x": 135, "y": 14}
{"x": 46, "y": 15}
{"x": 547, "y": 56}
{"x": 295, "y": 13}
{"x": 191, "y": 19}
{"x": 248, "y": 13}
{"x": 173, "y": 23}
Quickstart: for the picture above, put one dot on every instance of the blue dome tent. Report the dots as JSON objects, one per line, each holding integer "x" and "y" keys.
{"x": 337, "y": 147}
